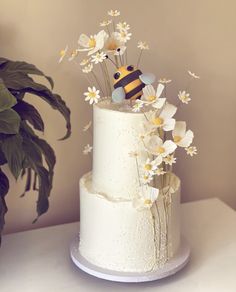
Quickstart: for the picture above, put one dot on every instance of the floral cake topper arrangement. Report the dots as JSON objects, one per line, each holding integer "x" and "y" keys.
{"x": 106, "y": 67}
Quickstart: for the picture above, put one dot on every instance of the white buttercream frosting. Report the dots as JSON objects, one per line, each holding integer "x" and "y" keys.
{"x": 116, "y": 134}
{"x": 116, "y": 236}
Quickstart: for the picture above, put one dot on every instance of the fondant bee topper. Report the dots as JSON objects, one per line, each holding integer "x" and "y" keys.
{"x": 129, "y": 82}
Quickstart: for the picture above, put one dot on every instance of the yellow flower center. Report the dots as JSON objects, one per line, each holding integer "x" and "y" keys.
{"x": 92, "y": 94}
{"x": 151, "y": 97}
{"x": 158, "y": 121}
{"x": 160, "y": 150}
{"x": 148, "y": 166}
{"x": 92, "y": 42}
{"x": 147, "y": 202}
{"x": 62, "y": 53}
{"x": 177, "y": 139}
{"x": 145, "y": 177}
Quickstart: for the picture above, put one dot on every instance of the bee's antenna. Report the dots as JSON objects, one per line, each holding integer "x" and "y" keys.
{"x": 112, "y": 61}
{"x": 118, "y": 50}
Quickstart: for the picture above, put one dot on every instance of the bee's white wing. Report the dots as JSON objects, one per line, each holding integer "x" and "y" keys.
{"x": 147, "y": 78}
{"x": 118, "y": 95}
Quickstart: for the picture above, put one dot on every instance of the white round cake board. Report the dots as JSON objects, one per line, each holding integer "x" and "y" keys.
{"x": 171, "y": 267}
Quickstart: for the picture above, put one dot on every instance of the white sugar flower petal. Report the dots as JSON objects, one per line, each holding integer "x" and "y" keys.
{"x": 193, "y": 75}
{"x": 159, "y": 103}
{"x": 160, "y": 89}
{"x": 63, "y": 53}
{"x": 187, "y": 140}
{"x": 180, "y": 136}
{"x": 86, "y": 127}
{"x": 169, "y": 146}
{"x": 164, "y": 80}
{"x": 169, "y": 124}
{"x": 168, "y": 111}
{"x": 180, "y": 129}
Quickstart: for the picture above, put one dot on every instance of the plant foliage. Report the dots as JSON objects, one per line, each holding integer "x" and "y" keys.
{"x": 20, "y": 147}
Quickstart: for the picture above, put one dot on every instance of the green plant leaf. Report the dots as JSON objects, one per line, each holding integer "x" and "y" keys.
{"x": 25, "y": 84}
{"x": 27, "y": 112}
{"x": 4, "y": 187}
{"x": 25, "y": 68}
{"x": 7, "y": 100}
{"x": 9, "y": 122}
{"x": 13, "y": 151}
{"x": 34, "y": 157}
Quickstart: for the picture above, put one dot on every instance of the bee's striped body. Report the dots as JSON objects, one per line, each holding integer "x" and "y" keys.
{"x": 128, "y": 78}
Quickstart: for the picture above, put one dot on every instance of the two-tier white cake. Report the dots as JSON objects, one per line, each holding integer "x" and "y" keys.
{"x": 114, "y": 233}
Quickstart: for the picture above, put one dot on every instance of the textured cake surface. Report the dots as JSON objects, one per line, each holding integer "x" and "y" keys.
{"x": 116, "y": 236}
{"x": 116, "y": 134}
{"x": 113, "y": 233}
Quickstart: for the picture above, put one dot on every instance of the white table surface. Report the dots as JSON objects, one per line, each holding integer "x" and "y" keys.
{"x": 39, "y": 261}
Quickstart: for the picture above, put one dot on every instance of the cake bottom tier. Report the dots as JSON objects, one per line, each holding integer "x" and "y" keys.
{"x": 116, "y": 236}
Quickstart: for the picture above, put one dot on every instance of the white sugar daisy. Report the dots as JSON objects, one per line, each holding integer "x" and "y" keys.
{"x": 124, "y": 36}
{"x": 184, "y": 96}
{"x": 88, "y": 68}
{"x": 148, "y": 195}
{"x": 170, "y": 159}
{"x": 192, "y": 150}
{"x": 181, "y": 137}
{"x": 164, "y": 80}
{"x": 73, "y": 55}
{"x": 62, "y": 53}
{"x": 87, "y": 126}
{"x": 164, "y": 120}
{"x": 92, "y": 95}
{"x": 193, "y": 75}
{"x": 99, "y": 57}
{"x": 150, "y": 166}
{"x": 105, "y": 22}
{"x": 138, "y": 105}
{"x": 123, "y": 26}
{"x": 143, "y": 45}
{"x": 160, "y": 171}
{"x": 85, "y": 61}
{"x": 155, "y": 145}
{"x": 113, "y": 13}
{"x": 87, "y": 149}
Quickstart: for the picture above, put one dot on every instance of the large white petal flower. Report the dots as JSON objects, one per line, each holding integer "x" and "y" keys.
{"x": 148, "y": 195}
{"x": 182, "y": 137}
{"x": 150, "y": 96}
{"x": 164, "y": 120}
{"x": 157, "y": 147}
{"x": 93, "y": 43}
{"x": 113, "y": 43}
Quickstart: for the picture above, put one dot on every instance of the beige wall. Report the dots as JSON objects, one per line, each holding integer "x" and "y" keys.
{"x": 199, "y": 35}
